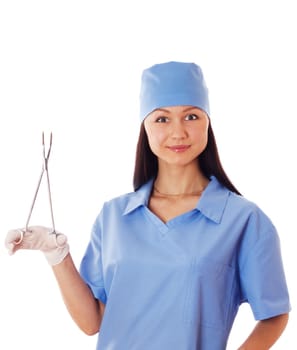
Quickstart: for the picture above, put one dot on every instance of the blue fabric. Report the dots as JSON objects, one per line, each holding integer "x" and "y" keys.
{"x": 172, "y": 84}
{"x": 179, "y": 285}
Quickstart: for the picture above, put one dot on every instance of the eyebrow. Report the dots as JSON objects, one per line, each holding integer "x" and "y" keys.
{"x": 184, "y": 110}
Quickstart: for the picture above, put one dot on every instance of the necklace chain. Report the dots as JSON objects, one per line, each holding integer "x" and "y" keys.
{"x": 196, "y": 193}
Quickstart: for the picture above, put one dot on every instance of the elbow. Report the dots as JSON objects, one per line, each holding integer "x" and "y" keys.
{"x": 90, "y": 330}
{"x": 89, "y": 327}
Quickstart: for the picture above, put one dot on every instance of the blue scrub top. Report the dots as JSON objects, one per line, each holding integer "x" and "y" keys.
{"x": 178, "y": 285}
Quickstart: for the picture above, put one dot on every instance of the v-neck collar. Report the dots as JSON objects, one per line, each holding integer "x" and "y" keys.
{"x": 211, "y": 203}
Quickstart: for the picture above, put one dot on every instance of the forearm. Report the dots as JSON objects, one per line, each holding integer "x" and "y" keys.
{"x": 266, "y": 333}
{"x": 85, "y": 310}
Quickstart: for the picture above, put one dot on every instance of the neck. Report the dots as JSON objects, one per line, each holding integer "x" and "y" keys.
{"x": 180, "y": 182}
{"x": 182, "y": 194}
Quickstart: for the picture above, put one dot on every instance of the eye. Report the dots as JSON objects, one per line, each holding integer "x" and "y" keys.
{"x": 191, "y": 117}
{"x": 161, "y": 120}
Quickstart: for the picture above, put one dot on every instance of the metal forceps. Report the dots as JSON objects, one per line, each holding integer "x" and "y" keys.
{"x": 44, "y": 170}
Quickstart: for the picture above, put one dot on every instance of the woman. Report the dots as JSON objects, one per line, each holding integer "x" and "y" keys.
{"x": 168, "y": 265}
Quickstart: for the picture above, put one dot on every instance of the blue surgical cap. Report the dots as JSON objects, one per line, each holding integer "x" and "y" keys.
{"x": 172, "y": 84}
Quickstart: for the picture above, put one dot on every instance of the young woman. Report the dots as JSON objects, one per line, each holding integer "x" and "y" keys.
{"x": 168, "y": 265}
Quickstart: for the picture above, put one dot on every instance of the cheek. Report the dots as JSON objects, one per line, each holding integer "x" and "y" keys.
{"x": 205, "y": 137}
{"x": 202, "y": 137}
{"x": 154, "y": 144}
{"x": 155, "y": 139}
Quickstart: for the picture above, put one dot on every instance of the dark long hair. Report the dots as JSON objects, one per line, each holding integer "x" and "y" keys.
{"x": 146, "y": 163}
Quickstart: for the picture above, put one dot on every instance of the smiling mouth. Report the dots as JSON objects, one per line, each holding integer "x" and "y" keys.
{"x": 179, "y": 148}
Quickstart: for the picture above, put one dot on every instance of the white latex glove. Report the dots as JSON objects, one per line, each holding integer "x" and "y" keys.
{"x": 53, "y": 245}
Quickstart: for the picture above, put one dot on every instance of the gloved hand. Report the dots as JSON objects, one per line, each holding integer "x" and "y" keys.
{"x": 53, "y": 245}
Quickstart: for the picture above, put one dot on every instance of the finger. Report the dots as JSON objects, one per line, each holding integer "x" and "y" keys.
{"x": 60, "y": 239}
{"x": 21, "y": 232}
{"x": 13, "y": 238}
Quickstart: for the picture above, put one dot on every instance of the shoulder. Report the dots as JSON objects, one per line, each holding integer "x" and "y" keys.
{"x": 223, "y": 205}
{"x": 119, "y": 201}
{"x": 112, "y": 209}
{"x": 243, "y": 203}
{"x": 256, "y": 225}
{"x": 248, "y": 206}
{"x": 237, "y": 209}
{"x": 129, "y": 202}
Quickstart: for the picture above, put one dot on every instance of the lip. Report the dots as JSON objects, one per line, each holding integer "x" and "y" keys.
{"x": 179, "y": 148}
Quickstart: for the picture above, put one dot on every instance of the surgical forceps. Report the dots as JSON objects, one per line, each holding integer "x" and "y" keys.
{"x": 43, "y": 170}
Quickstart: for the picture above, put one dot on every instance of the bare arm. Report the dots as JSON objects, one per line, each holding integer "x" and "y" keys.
{"x": 85, "y": 310}
{"x": 266, "y": 333}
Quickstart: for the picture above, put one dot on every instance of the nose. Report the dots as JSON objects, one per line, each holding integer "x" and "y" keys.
{"x": 178, "y": 130}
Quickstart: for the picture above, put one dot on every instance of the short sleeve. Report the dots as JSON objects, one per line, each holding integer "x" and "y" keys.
{"x": 91, "y": 264}
{"x": 262, "y": 275}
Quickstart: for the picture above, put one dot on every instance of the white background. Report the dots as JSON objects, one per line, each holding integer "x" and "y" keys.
{"x": 73, "y": 68}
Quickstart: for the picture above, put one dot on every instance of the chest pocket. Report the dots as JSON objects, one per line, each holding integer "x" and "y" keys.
{"x": 209, "y": 293}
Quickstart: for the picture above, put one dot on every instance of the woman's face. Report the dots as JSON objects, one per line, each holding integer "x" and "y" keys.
{"x": 177, "y": 135}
